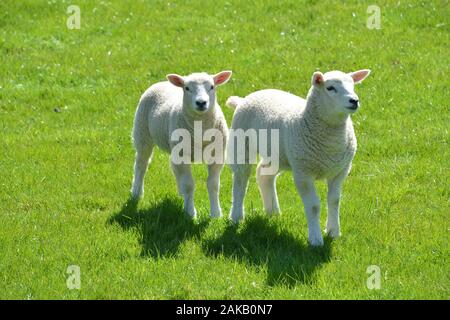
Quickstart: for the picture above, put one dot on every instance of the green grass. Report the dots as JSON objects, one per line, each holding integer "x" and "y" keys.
{"x": 65, "y": 176}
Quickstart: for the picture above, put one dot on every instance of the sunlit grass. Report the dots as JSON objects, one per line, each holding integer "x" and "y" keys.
{"x": 67, "y": 101}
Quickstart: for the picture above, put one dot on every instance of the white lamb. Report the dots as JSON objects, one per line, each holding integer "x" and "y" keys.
{"x": 317, "y": 141}
{"x": 176, "y": 104}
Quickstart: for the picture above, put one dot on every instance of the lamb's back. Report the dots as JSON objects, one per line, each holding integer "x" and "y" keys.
{"x": 268, "y": 108}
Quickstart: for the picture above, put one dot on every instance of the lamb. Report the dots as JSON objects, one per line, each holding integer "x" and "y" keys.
{"x": 167, "y": 106}
{"x": 316, "y": 141}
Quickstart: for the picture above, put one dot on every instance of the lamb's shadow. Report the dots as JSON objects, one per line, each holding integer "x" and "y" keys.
{"x": 259, "y": 242}
{"x": 162, "y": 228}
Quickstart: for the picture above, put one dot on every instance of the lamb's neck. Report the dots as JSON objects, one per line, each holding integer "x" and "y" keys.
{"x": 189, "y": 117}
{"x": 331, "y": 134}
{"x": 314, "y": 110}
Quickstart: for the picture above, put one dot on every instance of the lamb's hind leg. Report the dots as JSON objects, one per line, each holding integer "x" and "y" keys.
{"x": 143, "y": 157}
{"x": 143, "y": 145}
{"x": 267, "y": 187}
{"x": 241, "y": 174}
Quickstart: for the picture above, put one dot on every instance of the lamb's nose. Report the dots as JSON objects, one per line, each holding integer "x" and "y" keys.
{"x": 201, "y": 104}
{"x": 354, "y": 102}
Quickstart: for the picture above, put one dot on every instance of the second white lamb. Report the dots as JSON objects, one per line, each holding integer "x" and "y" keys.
{"x": 316, "y": 141}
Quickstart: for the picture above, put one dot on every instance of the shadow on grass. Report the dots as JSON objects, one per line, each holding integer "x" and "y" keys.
{"x": 288, "y": 260}
{"x": 162, "y": 228}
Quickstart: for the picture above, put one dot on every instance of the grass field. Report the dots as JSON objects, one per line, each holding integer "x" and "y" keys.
{"x": 67, "y": 101}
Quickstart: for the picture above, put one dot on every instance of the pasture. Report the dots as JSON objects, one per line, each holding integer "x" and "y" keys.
{"x": 67, "y": 102}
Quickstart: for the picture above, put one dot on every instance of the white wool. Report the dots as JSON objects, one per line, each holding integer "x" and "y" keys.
{"x": 234, "y": 101}
{"x": 164, "y": 108}
{"x": 317, "y": 141}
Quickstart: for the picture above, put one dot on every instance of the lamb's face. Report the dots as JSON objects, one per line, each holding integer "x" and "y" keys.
{"x": 337, "y": 90}
{"x": 199, "y": 92}
{"x": 199, "y": 89}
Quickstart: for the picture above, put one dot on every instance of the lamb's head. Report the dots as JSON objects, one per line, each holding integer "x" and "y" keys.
{"x": 199, "y": 89}
{"x": 335, "y": 91}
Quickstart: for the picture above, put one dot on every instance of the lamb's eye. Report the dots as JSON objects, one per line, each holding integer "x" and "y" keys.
{"x": 186, "y": 88}
{"x": 212, "y": 87}
{"x": 331, "y": 88}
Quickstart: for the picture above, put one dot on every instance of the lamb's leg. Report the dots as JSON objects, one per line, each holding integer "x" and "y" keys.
{"x": 267, "y": 187}
{"x": 143, "y": 158}
{"x": 307, "y": 190}
{"x": 241, "y": 174}
{"x": 213, "y": 185}
{"x": 186, "y": 186}
{"x": 333, "y": 199}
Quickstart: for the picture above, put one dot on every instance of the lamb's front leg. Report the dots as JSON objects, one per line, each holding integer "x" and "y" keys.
{"x": 186, "y": 186}
{"x": 213, "y": 185}
{"x": 307, "y": 190}
{"x": 333, "y": 199}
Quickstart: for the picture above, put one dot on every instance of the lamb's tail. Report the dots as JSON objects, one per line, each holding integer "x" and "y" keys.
{"x": 234, "y": 101}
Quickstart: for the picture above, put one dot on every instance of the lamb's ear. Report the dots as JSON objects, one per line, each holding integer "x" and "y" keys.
{"x": 222, "y": 77}
{"x": 176, "y": 80}
{"x": 360, "y": 75}
{"x": 317, "y": 78}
